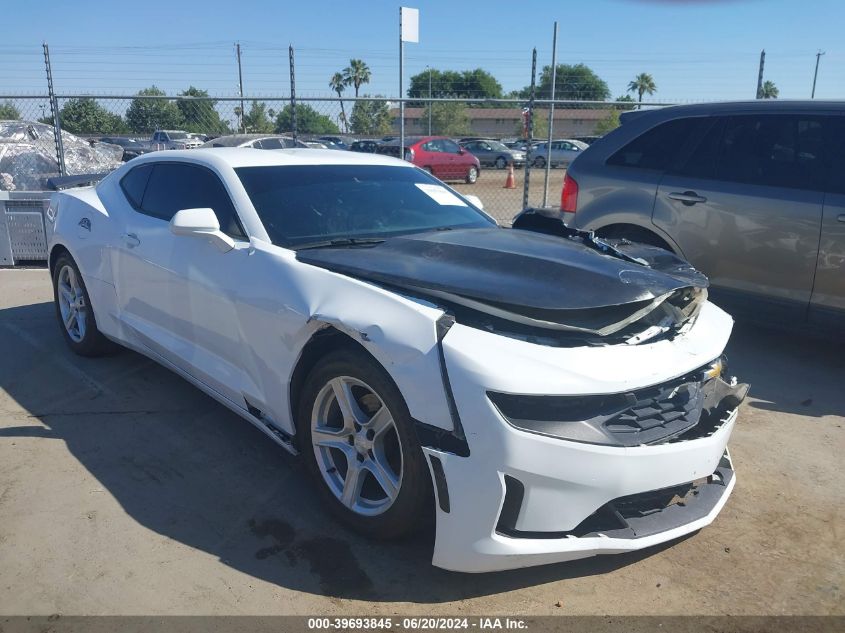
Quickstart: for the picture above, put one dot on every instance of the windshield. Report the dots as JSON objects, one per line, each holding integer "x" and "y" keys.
{"x": 177, "y": 136}
{"x": 303, "y": 204}
{"x": 497, "y": 146}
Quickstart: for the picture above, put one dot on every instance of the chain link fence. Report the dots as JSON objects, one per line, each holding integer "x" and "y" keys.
{"x": 99, "y": 132}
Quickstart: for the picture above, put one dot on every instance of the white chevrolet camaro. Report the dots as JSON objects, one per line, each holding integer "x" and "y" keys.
{"x": 549, "y": 396}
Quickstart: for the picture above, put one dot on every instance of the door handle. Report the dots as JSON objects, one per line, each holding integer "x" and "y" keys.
{"x": 689, "y": 198}
{"x": 131, "y": 240}
{"x": 840, "y": 217}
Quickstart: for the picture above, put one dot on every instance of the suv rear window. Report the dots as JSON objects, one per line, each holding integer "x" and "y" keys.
{"x": 655, "y": 148}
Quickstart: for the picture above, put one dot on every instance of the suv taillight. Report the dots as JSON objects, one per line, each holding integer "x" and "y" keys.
{"x": 569, "y": 195}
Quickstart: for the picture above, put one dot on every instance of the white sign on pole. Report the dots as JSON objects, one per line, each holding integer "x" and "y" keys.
{"x": 410, "y": 19}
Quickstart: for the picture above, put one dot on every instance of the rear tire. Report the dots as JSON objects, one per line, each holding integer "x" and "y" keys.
{"x": 74, "y": 312}
{"x": 363, "y": 455}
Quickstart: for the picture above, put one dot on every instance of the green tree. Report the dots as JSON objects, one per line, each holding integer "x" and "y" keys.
{"x": 338, "y": 84}
{"x": 608, "y": 123}
{"x": 148, "y": 115}
{"x": 308, "y": 121}
{"x": 449, "y": 118}
{"x": 371, "y": 117}
{"x": 8, "y": 111}
{"x": 356, "y": 74}
{"x": 258, "y": 120}
{"x": 467, "y": 84}
{"x": 572, "y": 82}
{"x": 769, "y": 91}
{"x": 86, "y": 116}
{"x": 642, "y": 84}
{"x": 198, "y": 112}
{"x": 625, "y": 99}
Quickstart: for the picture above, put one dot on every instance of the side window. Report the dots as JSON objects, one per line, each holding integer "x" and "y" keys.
{"x": 449, "y": 146}
{"x": 134, "y": 183}
{"x": 271, "y": 143}
{"x": 836, "y": 153}
{"x": 773, "y": 150}
{"x": 176, "y": 186}
{"x": 655, "y": 148}
{"x": 433, "y": 146}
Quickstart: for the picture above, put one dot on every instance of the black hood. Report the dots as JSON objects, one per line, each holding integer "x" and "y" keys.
{"x": 544, "y": 278}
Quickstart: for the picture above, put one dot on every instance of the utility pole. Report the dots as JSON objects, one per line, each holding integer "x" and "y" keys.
{"x": 54, "y": 110}
{"x": 530, "y": 128}
{"x": 551, "y": 122}
{"x": 409, "y": 31}
{"x": 240, "y": 86}
{"x": 760, "y": 74}
{"x": 429, "y": 100}
{"x": 816, "y": 74}
{"x": 292, "y": 94}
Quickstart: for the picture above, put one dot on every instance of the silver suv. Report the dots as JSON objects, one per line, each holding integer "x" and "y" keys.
{"x": 752, "y": 194}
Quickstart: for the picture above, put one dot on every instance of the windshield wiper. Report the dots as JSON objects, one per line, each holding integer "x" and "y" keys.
{"x": 344, "y": 242}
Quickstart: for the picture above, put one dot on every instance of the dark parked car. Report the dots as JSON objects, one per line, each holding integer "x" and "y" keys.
{"x": 438, "y": 155}
{"x": 131, "y": 147}
{"x": 368, "y": 147}
{"x": 751, "y": 193}
{"x": 336, "y": 142}
{"x": 492, "y": 153}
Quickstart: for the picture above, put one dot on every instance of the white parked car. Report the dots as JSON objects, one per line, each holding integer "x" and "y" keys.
{"x": 548, "y": 396}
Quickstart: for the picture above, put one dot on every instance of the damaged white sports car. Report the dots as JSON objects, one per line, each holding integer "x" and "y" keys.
{"x": 548, "y": 395}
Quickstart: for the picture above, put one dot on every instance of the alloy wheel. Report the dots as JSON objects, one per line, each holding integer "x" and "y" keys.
{"x": 72, "y": 303}
{"x": 356, "y": 445}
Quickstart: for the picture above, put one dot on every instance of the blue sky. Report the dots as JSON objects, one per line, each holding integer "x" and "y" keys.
{"x": 695, "y": 50}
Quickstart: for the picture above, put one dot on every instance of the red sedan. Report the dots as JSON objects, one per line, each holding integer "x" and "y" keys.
{"x": 439, "y": 155}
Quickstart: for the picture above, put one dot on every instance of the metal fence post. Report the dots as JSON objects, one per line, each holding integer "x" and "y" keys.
{"x": 54, "y": 111}
{"x": 525, "y": 185}
{"x": 551, "y": 122}
{"x": 292, "y": 93}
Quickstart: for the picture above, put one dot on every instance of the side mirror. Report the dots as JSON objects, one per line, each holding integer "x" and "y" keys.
{"x": 201, "y": 223}
{"x": 475, "y": 200}
{"x": 461, "y": 150}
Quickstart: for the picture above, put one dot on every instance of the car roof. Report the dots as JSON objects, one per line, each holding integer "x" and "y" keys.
{"x": 721, "y": 107}
{"x": 222, "y": 157}
{"x": 232, "y": 140}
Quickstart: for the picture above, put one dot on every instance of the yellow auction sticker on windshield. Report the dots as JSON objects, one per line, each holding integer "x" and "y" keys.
{"x": 441, "y": 195}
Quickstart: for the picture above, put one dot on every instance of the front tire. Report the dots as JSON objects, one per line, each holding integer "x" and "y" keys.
{"x": 74, "y": 311}
{"x": 540, "y": 162}
{"x": 472, "y": 175}
{"x": 361, "y": 448}
{"x": 501, "y": 162}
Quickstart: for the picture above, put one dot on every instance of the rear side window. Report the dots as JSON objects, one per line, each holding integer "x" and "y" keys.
{"x": 772, "y": 150}
{"x": 134, "y": 183}
{"x": 655, "y": 148}
{"x": 176, "y": 186}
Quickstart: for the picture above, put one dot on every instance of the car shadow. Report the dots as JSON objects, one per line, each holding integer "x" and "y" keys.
{"x": 185, "y": 467}
{"x": 789, "y": 372}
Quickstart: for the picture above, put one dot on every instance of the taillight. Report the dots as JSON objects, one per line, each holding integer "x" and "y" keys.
{"x": 569, "y": 195}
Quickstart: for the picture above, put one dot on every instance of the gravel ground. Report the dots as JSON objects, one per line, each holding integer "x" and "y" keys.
{"x": 124, "y": 490}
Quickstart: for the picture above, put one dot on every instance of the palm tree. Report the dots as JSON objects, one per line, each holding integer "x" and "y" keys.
{"x": 642, "y": 84}
{"x": 356, "y": 74}
{"x": 338, "y": 84}
{"x": 769, "y": 90}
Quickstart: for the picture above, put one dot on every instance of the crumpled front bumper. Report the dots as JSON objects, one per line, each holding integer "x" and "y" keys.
{"x": 491, "y": 523}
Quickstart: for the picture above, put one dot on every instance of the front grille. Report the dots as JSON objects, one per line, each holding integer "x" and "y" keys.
{"x": 657, "y": 413}
{"x": 650, "y": 415}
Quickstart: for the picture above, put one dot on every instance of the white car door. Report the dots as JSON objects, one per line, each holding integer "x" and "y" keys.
{"x": 177, "y": 294}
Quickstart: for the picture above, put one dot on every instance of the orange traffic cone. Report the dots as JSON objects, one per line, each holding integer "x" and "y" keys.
{"x": 509, "y": 182}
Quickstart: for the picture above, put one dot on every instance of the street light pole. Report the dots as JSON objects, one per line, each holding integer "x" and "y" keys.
{"x": 816, "y": 74}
